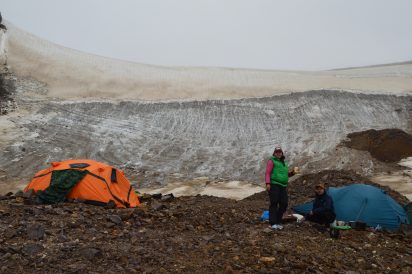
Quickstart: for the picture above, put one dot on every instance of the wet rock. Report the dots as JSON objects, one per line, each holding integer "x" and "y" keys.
{"x": 35, "y": 232}
{"x": 19, "y": 194}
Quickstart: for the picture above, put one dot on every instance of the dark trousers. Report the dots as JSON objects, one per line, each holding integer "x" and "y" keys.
{"x": 323, "y": 218}
{"x": 278, "y": 196}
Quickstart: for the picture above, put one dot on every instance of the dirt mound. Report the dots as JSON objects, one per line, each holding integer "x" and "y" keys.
{"x": 185, "y": 234}
{"x": 387, "y": 145}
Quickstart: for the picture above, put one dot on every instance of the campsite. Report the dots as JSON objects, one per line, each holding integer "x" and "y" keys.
{"x": 184, "y": 233}
{"x": 114, "y": 164}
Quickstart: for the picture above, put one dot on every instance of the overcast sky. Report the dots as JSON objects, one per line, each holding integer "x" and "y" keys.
{"x": 265, "y": 34}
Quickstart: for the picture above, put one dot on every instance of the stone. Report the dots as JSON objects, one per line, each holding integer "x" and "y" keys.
{"x": 145, "y": 197}
{"x": 35, "y": 232}
{"x": 267, "y": 259}
{"x": 167, "y": 197}
{"x": 114, "y": 219}
{"x": 28, "y": 194}
{"x": 90, "y": 252}
{"x": 10, "y": 233}
{"x": 158, "y": 206}
{"x": 32, "y": 249}
{"x": 157, "y": 196}
{"x": 126, "y": 214}
{"x": 77, "y": 267}
{"x": 207, "y": 238}
{"x": 267, "y": 230}
{"x": 110, "y": 205}
{"x": 110, "y": 225}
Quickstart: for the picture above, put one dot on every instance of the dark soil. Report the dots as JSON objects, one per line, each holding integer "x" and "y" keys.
{"x": 189, "y": 234}
{"x": 387, "y": 145}
{"x": 7, "y": 90}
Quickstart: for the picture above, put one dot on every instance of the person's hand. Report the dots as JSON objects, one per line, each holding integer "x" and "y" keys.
{"x": 296, "y": 170}
{"x": 268, "y": 187}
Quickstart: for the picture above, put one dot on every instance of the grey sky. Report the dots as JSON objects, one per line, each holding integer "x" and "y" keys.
{"x": 265, "y": 34}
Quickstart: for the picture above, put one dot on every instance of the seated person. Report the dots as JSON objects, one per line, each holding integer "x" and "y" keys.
{"x": 323, "y": 211}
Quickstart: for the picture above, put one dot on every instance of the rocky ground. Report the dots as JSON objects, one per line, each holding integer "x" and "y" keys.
{"x": 190, "y": 234}
{"x": 7, "y": 89}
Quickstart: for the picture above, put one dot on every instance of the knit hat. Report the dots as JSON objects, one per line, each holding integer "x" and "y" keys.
{"x": 278, "y": 148}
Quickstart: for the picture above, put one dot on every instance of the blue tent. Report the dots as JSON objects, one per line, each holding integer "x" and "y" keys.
{"x": 359, "y": 202}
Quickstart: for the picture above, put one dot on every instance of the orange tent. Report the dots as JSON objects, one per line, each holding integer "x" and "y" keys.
{"x": 99, "y": 183}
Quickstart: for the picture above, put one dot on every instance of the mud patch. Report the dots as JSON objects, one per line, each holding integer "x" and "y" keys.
{"x": 387, "y": 145}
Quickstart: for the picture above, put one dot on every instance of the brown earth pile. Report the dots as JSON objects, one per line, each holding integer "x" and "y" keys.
{"x": 188, "y": 234}
{"x": 387, "y": 145}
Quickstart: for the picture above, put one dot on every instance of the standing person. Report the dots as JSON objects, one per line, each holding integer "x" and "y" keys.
{"x": 277, "y": 177}
{"x": 323, "y": 211}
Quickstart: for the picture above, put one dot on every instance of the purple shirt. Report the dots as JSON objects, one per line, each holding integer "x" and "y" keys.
{"x": 269, "y": 168}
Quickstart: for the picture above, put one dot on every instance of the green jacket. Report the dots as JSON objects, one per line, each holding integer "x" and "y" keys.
{"x": 279, "y": 173}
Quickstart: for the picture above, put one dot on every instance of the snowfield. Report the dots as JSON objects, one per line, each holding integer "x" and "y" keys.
{"x": 166, "y": 125}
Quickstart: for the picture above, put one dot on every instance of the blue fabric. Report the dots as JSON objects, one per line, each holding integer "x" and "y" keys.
{"x": 265, "y": 215}
{"x": 360, "y": 202}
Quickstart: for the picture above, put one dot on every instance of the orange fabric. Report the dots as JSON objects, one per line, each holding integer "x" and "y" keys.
{"x": 100, "y": 189}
